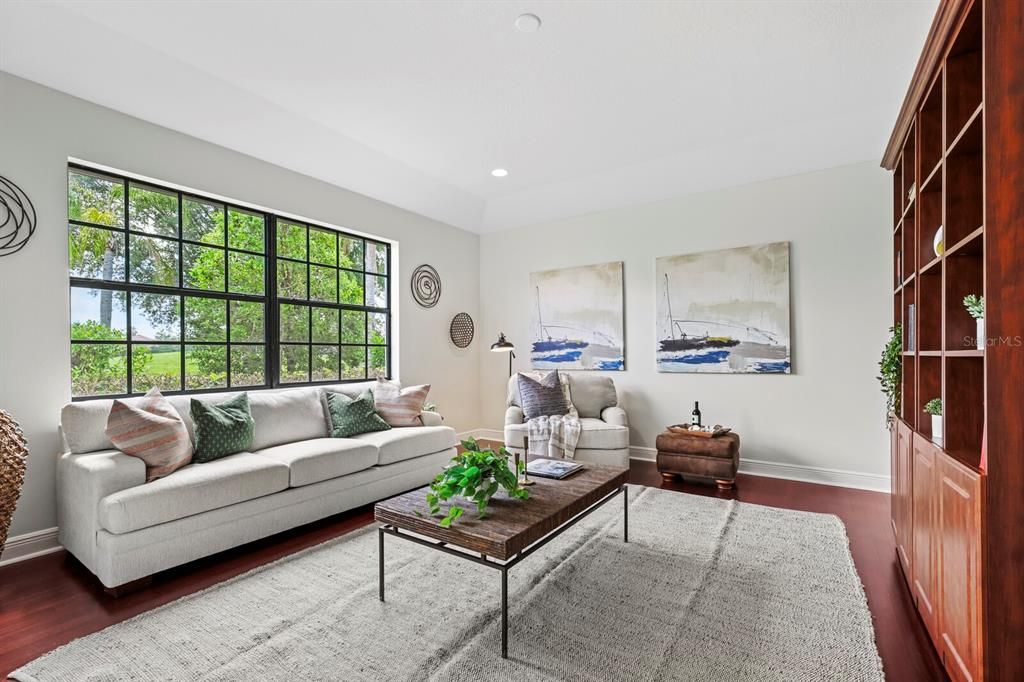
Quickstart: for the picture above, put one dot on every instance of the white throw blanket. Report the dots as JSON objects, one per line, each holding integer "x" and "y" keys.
{"x": 554, "y": 436}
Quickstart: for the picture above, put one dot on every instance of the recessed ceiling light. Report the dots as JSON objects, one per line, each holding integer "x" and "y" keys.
{"x": 499, "y": 172}
{"x": 528, "y": 23}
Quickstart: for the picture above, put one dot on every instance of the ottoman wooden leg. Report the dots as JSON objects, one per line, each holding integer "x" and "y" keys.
{"x": 725, "y": 485}
{"x": 667, "y": 477}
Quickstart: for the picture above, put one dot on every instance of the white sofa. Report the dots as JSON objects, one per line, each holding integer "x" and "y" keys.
{"x": 123, "y": 528}
{"x": 604, "y": 438}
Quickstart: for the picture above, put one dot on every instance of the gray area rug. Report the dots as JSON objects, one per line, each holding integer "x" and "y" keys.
{"x": 706, "y": 589}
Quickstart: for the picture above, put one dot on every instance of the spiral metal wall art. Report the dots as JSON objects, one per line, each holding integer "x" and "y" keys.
{"x": 426, "y": 286}
{"x": 17, "y": 218}
{"x": 461, "y": 330}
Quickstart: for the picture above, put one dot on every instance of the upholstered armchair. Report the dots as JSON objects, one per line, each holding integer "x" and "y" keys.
{"x": 605, "y": 429}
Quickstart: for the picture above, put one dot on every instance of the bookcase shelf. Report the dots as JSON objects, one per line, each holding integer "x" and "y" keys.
{"x": 930, "y": 120}
{"x": 935, "y": 175}
{"x": 935, "y": 264}
{"x": 945, "y": 141}
{"x": 929, "y": 311}
{"x": 958, "y": 498}
{"x": 968, "y": 246}
{"x": 964, "y": 73}
{"x": 968, "y": 140}
{"x": 964, "y": 275}
{"x": 930, "y": 220}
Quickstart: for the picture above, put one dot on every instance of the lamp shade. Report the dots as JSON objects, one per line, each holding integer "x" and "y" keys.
{"x": 502, "y": 345}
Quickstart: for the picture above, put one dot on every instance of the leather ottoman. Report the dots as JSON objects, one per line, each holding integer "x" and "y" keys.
{"x": 718, "y": 458}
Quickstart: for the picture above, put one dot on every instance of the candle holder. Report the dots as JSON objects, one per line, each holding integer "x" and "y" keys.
{"x": 525, "y": 480}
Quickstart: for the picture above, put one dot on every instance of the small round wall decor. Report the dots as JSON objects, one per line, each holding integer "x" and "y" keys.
{"x": 426, "y": 286}
{"x": 461, "y": 330}
{"x": 17, "y": 218}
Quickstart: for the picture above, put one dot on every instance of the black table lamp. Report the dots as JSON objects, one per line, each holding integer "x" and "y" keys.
{"x": 503, "y": 345}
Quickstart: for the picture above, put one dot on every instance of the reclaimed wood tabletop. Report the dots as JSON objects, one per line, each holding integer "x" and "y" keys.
{"x": 509, "y": 526}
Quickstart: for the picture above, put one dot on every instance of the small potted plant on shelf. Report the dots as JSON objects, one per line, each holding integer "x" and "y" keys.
{"x": 976, "y": 307}
{"x": 890, "y": 371}
{"x": 934, "y": 408}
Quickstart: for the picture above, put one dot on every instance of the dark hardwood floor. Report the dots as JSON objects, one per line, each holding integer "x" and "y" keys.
{"x": 50, "y": 600}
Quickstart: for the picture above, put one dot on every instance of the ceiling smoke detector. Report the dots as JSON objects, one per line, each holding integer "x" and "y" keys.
{"x": 528, "y": 23}
{"x": 499, "y": 172}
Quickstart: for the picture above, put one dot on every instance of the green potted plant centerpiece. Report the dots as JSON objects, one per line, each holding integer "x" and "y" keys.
{"x": 475, "y": 474}
{"x": 976, "y": 307}
{"x": 934, "y": 408}
{"x": 890, "y": 371}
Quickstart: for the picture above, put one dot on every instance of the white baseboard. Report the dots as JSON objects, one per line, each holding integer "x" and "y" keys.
{"x": 29, "y": 545}
{"x": 794, "y": 472}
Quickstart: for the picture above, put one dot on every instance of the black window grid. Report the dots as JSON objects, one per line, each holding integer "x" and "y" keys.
{"x": 271, "y": 343}
{"x": 313, "y": 304}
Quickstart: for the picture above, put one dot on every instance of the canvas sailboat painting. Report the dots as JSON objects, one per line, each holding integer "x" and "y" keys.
{"x": 577, "y": 318}
{"x": 725, "y": 311}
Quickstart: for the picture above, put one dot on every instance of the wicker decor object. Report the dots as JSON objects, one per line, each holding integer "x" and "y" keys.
{"x": 13, "y": 452}
{"x": 461, "y": 330}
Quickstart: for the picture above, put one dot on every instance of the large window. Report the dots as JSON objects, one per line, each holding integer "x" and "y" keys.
{"x": 332, "y": 292}
{"x": 173, "y": 290}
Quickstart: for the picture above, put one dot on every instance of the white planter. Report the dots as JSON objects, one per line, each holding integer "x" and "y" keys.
{"x": 937, "y": 428}
{"x": 980, "y": 335}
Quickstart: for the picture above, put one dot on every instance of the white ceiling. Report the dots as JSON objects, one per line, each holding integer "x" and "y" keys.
{"x": 608, "y": 104}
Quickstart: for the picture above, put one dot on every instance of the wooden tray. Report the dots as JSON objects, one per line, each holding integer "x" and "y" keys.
{"x": 720, "y": 431}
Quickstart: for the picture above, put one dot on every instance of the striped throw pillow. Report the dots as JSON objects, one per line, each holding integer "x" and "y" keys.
{"x": 150, "y": 429}
{"x": 542, "y": 398}
{"x": 399, "y": 406}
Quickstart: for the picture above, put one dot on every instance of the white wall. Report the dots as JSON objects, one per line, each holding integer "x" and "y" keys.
{"x": 40, "y": 128}
{"x": 829, "y": 412}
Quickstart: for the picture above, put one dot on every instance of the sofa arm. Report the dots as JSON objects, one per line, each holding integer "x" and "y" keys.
{"x": 431, "y": 418}
{"x": 614, "y": 415}
{"x": 82, "y": 481}
{"x": 514, "y": 415}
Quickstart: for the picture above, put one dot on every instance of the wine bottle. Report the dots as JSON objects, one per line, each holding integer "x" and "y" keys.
{"x": 695, "y": 418}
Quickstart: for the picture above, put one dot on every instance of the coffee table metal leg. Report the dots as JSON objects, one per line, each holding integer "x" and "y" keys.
{"x": 625, "y": 514}
{"x": 380, "y": 554}
{"x": 504, "y": 613}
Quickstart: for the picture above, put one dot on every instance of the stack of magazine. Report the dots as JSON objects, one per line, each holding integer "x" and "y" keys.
{"x": 552, "y": 468}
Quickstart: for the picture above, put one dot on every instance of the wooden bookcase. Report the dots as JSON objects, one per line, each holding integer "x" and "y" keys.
{"x": 957, "y": 157}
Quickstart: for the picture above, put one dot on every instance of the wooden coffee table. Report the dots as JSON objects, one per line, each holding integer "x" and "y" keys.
{"x": 512, "y": 529}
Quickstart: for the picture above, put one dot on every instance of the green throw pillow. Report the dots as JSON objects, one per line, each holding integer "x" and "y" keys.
{"x": 351, "y": 416}
{"x": 221, "y": 428}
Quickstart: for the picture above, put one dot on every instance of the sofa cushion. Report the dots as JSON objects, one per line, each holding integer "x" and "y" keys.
{"x": 281, "y": 415}
{"x": 286, "y": 416}
{"x": 594, "y": 435}
{"x": 192, "y": 490}
{"x": 591, "y": 394}
{"x": 600, "y": 435}
{"x": 397, "y": 445}
{"x": 312, "y": 461}
{"x": 84, "y": 423}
